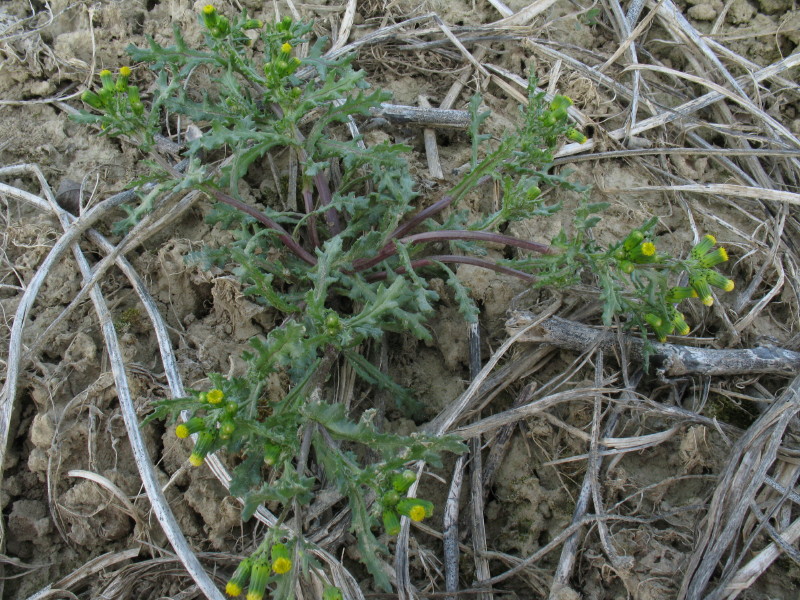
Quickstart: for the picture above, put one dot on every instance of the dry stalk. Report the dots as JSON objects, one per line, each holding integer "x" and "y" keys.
{"x": 750, "y": 459}
{"x": 672, "y": 360}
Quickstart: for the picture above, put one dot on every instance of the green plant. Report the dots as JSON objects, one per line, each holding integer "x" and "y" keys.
{"x": 351, "y": 266}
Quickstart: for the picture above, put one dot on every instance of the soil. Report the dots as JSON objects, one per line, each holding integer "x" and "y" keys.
{"x": 68, "y": 421}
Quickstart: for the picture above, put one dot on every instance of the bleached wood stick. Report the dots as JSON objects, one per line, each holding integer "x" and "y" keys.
{"x": 672, "y": 360}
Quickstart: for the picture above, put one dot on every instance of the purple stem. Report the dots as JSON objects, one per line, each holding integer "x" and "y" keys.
{"x": 308, "y": 203}
{"x": 324, "y": 191}
{"x": 262, "y": 218}
{"x": 426, "y": 213}
{"x": 451, "y": 234}
{"x": 452, "y": 258}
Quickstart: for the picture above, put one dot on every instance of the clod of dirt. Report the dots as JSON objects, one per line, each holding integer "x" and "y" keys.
{"x": 91, "y": 517}
{"x": 28, "y": 522}
{"x": 772, "y": 7}
{"x": 450, "y": 331}
{"x": 741, "y": 11}
{"x": 703, "y": 12}
{"x": 234, "y": 312}
{"x": 492, "y": 290}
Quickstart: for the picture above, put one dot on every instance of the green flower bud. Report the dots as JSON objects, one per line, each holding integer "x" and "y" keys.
{"x": 272, "y": 454}
{"x": 332, "y": 321}
{"x": 253, "y": 24}
{"x": 676, "y": 294}
{"x": 203, "y": 445}
{"x": 533, "y": 192}
{"x": 634, "y": 238}
{"x": 626, "y": 267}
{"x": 699, "y": 281}
{"x": 193, "y": 425}
{"x": 712, "y": 259}
{"x": 402, "y": 481}
{"x": 548, "y": 119}
{"x": 678, "y": 321}
{"x": 294, "y": 64}
{"x": 390, "y": 498}
{"x": 259, "y": 578}
{"x": 226, "y": 429}
{"x": 718, "y": 280}
{"x": 285, "y": 24}
{"x": 576, "y": 136}
{"x": 135, "y": 102}
{"x": 231, "y": 408}
{"x": 107, "y": 80}
{"x": 663, "y": 331}
{"x": 239, "y": 578}
{"x": 560, "y": 103}
{"x": 391, "y": 522}
{"x": 653, "y": 320}
{"x": 702, "y": 248}
{"x": 221, "y": 28}
{"x": 92, "y": 99}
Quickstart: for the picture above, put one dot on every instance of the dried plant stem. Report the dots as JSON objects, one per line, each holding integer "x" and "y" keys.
{"x": 672, "y": 360}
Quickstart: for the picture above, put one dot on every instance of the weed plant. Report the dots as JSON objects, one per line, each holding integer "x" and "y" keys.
{"x": 351, "y": 266}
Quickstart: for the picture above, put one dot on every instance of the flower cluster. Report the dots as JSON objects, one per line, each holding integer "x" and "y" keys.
{"x": 120, "y": 103}
{"x": 636, "y": 257}
{"x": 257, "y": 571}
{"x": 394, "y": 505}
{"x": 213, "y": 429}
{"x": 701, "y": 273}
{"x": 635, "y": 250}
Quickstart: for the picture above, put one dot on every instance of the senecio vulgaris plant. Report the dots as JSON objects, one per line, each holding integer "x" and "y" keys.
{"x": 352, "y": 265}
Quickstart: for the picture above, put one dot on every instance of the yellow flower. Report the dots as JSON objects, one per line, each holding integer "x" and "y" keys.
{"x": 215, "y": 396}
{"x": 125, "y": 71}
{"x": 193, "y": 425}
{"x": 209, "y": 9}
{"x": 286, "y": 48}
{"x": 282, "y": 565}
{"x": 196, "y": 460}
{"x": 417, "y": 513}
{"x": 233, "y": 589}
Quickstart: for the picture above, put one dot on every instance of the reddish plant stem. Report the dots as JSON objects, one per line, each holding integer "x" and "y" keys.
{"x": 452, "y": 258}
{"x": 447, "y": 235}
{"x": 308, "y": 203}
{"x": 283, "y": 235}
{"x": 432, "y": 210}
{"x": 425, "y": 213}
{"x": 324, "y": 191}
